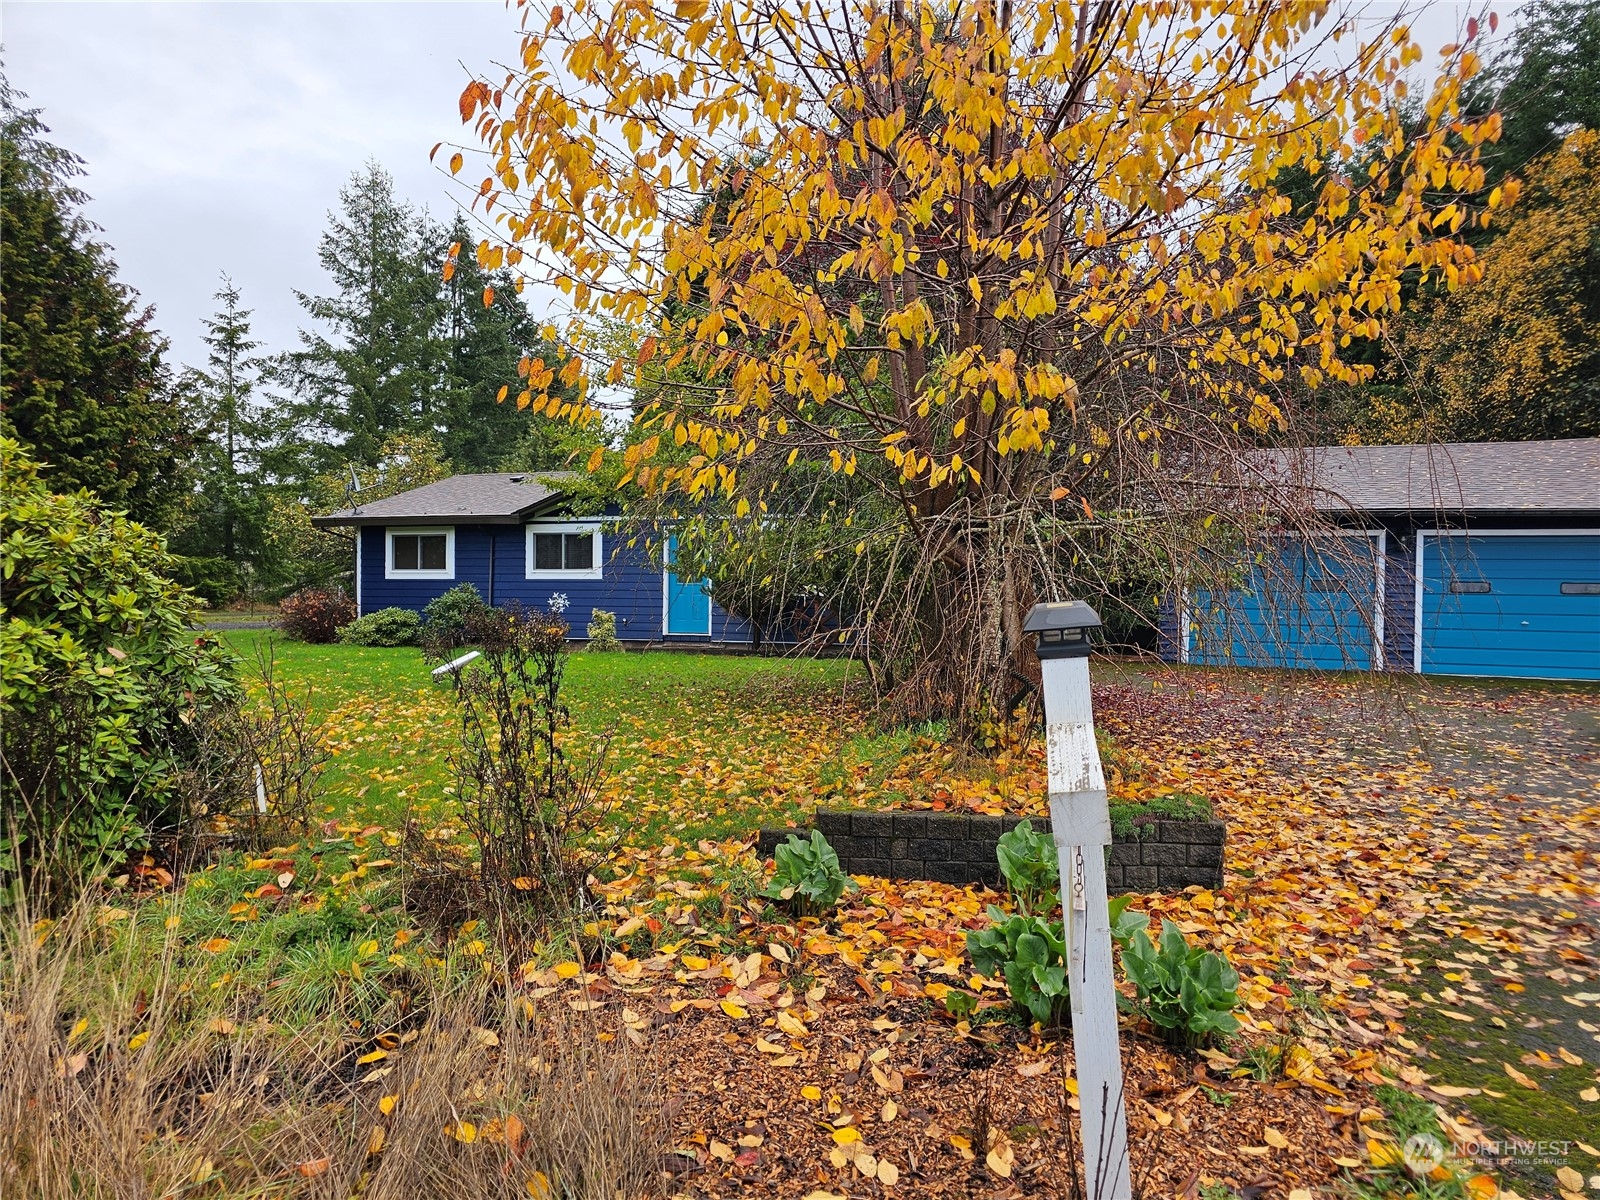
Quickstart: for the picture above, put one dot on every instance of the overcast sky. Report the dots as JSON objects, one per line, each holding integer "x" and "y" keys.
{"x": 217, "y": 136}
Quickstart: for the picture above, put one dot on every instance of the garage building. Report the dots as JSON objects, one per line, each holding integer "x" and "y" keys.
{"x": 1457, "y": 559}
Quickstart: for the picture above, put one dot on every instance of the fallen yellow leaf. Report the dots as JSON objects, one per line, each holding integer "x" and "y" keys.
{"x": 1519, "y": 1077}
{"x": 736, "y": 1011}
{"x": 1000, "y": 1160}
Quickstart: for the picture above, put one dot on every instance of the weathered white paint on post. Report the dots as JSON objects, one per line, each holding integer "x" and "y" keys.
{"x": 1080, "y": 823}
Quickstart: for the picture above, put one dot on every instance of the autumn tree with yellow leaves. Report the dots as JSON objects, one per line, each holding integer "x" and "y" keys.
{"x": 1518, "y": 355}
{"x": 1021, "y": 272}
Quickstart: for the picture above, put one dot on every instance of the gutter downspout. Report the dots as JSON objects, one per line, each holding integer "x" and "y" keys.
{"x": 492, "y": 540}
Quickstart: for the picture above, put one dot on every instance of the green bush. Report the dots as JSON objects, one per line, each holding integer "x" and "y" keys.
{"x": 214, "y": 580}
{"x": 1025, "y": 949}
{"x": 1029, "y": 953}
{"x": 445, "y": 617}
{"x": 808, "y": 876}
{"x": 105, "y": 684}
{"x": 1187, "y": 992}
{"x": 603, "y": 631}
{"x": 386, "y": 627}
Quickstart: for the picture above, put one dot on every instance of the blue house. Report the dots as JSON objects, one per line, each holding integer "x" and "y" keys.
{"x": 513, "y": 538}
{"x": 1466, "y": 559}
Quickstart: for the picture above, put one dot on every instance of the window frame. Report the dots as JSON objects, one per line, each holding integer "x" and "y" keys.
{"x": 596, "y": 569}
{"x": 390, "y": 571}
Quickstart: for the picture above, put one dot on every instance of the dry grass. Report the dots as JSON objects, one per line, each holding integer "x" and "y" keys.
{"x": 125, "y": 1074}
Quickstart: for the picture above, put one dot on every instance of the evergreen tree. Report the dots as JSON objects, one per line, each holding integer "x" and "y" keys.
{"x": 229, "y": 512}
{"x": 1546, "y": 82}
{"x": 376, "y": 371}
{"x": 483, "y": 344}
{"x": 81, "y": 375}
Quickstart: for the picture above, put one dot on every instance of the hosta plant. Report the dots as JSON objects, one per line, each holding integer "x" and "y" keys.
{"x": 808, "y": 876}
{"x": 1028, "y": 861}
{"x": 1030, "y": 954}
{"x": 1187, "y": 992}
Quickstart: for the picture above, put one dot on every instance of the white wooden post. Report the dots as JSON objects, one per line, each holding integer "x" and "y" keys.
{"x": 1080, "y": 823}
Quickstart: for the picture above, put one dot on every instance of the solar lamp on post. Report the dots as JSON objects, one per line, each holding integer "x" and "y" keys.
{"x": 1080, "y": 823}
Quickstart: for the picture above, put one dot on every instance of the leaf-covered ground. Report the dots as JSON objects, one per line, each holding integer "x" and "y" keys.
{"x": 1411, "y": 896}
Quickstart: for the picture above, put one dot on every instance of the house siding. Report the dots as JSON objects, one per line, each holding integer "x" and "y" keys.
{"x": 630, "y": 585}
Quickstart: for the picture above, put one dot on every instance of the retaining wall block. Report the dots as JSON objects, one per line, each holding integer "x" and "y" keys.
{"x": 959, "y": 848}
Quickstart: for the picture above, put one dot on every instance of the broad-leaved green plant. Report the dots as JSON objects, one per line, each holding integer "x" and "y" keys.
{"x": 808, "y": 875}
{"x": 1187, "y": 992}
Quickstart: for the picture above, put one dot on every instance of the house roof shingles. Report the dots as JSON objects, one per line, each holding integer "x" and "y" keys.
{"x": 502, "y": 498}
{"x": 1490, "y": 477}
{"x": 1509, "y": 477}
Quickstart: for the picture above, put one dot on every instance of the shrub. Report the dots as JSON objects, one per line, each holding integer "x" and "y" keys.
{"x": 808, "y": 876}
{"x": 214, "y": 580}
{"x": 603, "y": 631}
{"x": 1187, "y": 992}
{"x": 1024, "y": 948}
{"x": 1029, "y": 953}
{"x": 386, "y": 627}
{"x": 105, "y": 684}
{"x": 446, "y": 616}
{"x": 315, "y": 614}
{"x": 537, "y": 816}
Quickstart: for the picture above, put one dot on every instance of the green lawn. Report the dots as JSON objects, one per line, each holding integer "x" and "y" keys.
{"x": 700, "y": 745}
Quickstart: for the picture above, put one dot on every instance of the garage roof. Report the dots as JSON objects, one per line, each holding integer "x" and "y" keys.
{"x": 1553, "y": 476}
{"x": 501, "y": 498}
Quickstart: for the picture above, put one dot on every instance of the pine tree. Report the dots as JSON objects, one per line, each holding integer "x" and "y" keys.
{"x": 229, "y": 513}
{"x": 376, "y": 370}
{"x": 82, "y": 380}
{"x": 1546, "y": 82}
{"x": 483, "y": 344}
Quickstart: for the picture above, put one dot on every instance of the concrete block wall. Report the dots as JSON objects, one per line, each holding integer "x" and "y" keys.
{"x": 957, "y": 848}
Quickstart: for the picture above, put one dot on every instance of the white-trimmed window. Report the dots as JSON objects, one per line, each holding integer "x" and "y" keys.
{"x": 564, "y": 550}
{"x": 420, "y": 553}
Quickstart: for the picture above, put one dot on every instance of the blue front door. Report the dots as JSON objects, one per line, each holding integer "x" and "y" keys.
{"x": 1513, "y": 605}
{"x": 688, "y": 604}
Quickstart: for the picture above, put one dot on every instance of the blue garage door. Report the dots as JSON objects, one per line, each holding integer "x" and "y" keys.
{"x": 1516, "y": 605}
{"x": 1313, "y": 603}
